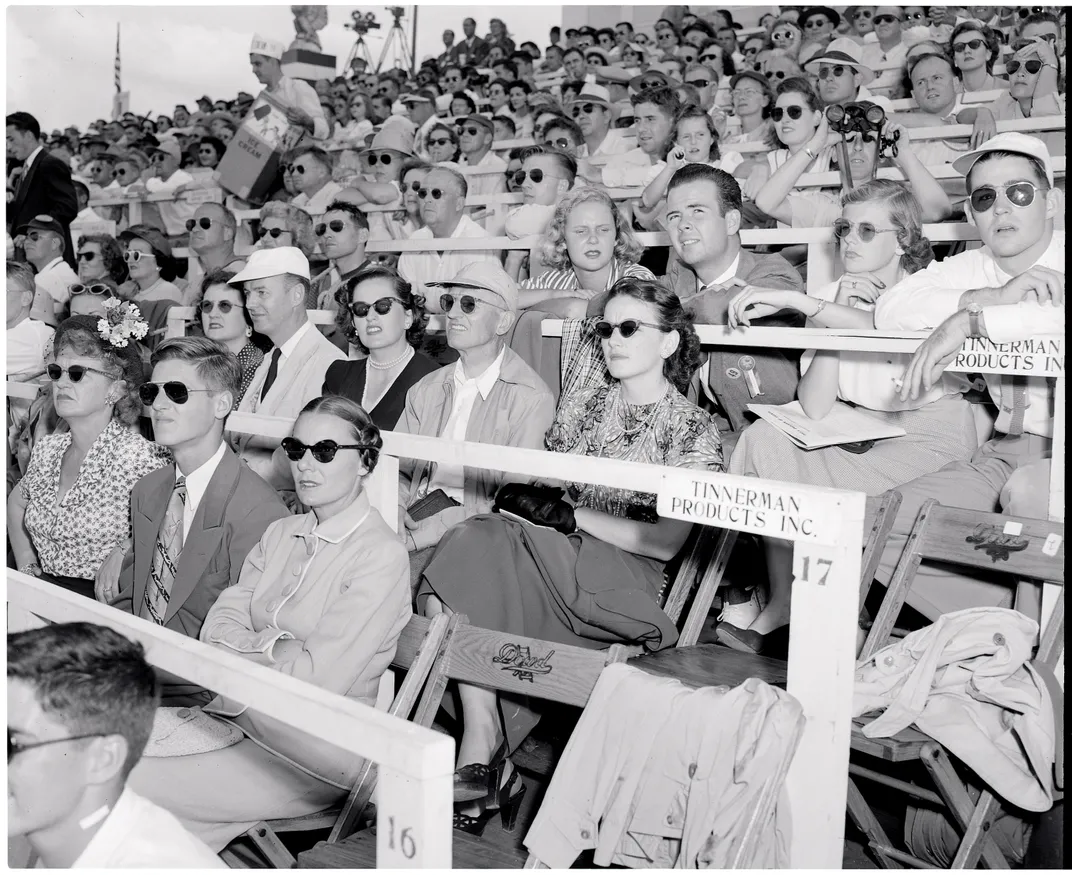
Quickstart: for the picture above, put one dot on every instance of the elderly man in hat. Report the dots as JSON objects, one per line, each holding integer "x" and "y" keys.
{"x": 422, "y": 112}
{"x": 167, "y": 177}
{"x": 310, "y": 168}
{"x": 44, "y": 244}
{"x": 843, "y": 75}
{"x": 275, "y": 284}
{"x": 302, "y": 102}
{"x": 490, "y": 396}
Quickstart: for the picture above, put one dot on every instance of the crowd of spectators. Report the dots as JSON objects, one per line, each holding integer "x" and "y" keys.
{"x": 273, "y": 551}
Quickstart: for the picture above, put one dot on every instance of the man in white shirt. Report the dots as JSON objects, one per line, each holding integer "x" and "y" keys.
{"x": 303, "y": 104}
{"x": 311, "y": 170}
{"x": 212, "y": 239}
{"x": 29, "y": 340}
{"x": 275, "y": 284}
{"x": 843, "y": 76}
{"x": 81, "y": 702}
{"x": 43, "y": 245}
{"x": 444, "y": 217}
{"x": 887, "y": 54}
{"x": 591, "y": 111}
{"x": 166, "y": 178}
{"x": 1007, "y": 291}
{"x": 476, "y": 133}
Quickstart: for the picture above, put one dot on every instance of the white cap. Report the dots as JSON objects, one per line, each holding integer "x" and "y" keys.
{"x": 268, "y": 47}
{"x": 1010, "y": 141}
{"x": 273, "y": 262}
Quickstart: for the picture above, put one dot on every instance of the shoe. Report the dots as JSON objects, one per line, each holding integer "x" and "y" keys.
{"x": 774, "y": 643}
{"x": 478, "y": 781}
{"x": 508, "y": 805}
{"x": 740, "y": 606}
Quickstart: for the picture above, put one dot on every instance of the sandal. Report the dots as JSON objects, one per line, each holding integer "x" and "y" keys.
{"x": 477, "y": 780}
{"x": 508, "y": 806}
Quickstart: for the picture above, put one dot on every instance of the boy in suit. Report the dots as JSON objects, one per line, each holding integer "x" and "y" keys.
{"x": 194, "y": 521}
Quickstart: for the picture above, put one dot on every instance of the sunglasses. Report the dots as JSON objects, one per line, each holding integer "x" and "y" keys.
{"x": 536, "y": 175}
{"x": 223, "y": 306}
{"x": 586, "y": 108}
{"x": 336, "y": 225}
{"x": 158, "y": 158}
{"x": 441, "y": 141}
{"x": 87, "y": 257}
{"x": 863, "y": 13}
{"x": 816, "y": 23}
{"x": 699, "y": 83}
{"x": 1033, "y": 66}
{"x": 794, "y": 112}
{"x": 207, "y": 150}
{"x": 915, "y": 16}
{"x": 783, "y": 35}
{"x": 468, "y": 303}
{"x": 626, "y": 329}
{"x": 1028, "y": 10}
{"x": 972, "y": 44}
{"x": 560, "y": 143}
{"x": 414, "y": 186}
{"x": 885, "y": 19}
{"x": 382, "y": 306}
{"x": 1019, "y": 194}
{"x": 383, "y": 159}
{"x": 75, "y": 372}
{"x": 205, "y": 222}
{"x": 275, "y": 232}
{"x": 650, "y": 83}
{"x": 295, "y": 168}
{"x": 866, "y": 230}
{"x": 91, "y": 289}
{"x": 133, "y": 256}
{"x": 175, "y": 391}
{"x": 121, "y": 171}
{"x": 34, "y": 235}
{"x": 14, "y": 747}
{"x": 836, "y": 71}
{"x": 436, "y": 193}
{"x": 323, "y": 451}
{"x": 471, "y": 131}
{"x": 752, "y": 51}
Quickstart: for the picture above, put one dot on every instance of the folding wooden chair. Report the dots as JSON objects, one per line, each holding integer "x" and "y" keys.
{"x": 419, "y": 653}
{"x": 1012, "y": 545}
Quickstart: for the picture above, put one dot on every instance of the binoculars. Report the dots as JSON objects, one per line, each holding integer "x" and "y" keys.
{"x": 855, "y": 117}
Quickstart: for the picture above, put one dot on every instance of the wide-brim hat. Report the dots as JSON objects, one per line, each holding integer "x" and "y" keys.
{"x": 263, "y": 263}
{"x": 596, "y": 50}
{"x": 809, "y": 11}
{"x": 392, "y": 136}
{"x": 842, "y": 51}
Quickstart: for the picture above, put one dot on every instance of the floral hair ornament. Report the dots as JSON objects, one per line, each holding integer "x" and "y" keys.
{"x": 120, "y": 323}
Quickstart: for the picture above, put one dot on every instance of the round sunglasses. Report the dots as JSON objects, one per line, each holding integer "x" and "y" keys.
{"x": 275, "y": 232}
{"x": 436, "y": 193}
{"x": 224, "y": 307}
{"x": 559, "y": 143}
{"x": 133, "y": 256}
{"x": 175, "y": 391}
{"x": 336, "y": 226}
{"x": 205, "y": 222}
{"x": 295, "y": 168}
{"x": 1019, "y": 194}
{"x": 627, "y": 328}
{"x": 323, "y": 451}
{"x": 586, "y": 108}
{"x": 536, "y": 175}
{"x": 383, "y": 159}
{"x": 794, "y": 112}
{"x": 836, "y": 71}
{"x": 466, "y": 302}
{"x": 91, "y": 289}
{"x": 866, "y": 231}
{"x": 382, "y": 306}
{"x": 75, "y": 372}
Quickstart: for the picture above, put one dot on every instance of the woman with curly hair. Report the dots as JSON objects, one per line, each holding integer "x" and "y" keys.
{"x": 224, "y": 318}
{"x": 100, "y": 256}
{"x": 70, "y": 514}
{"x": 880, "y": 234}
{"x": 381, "y": 316}
{"x": 975, "y": 48}
{"x": 442, "y": 144}
{"x": 539, "y": 580}
{"x": 283, "y": 224}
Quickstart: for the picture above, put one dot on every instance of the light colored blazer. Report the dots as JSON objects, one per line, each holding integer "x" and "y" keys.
{"x": 298, "y": 381}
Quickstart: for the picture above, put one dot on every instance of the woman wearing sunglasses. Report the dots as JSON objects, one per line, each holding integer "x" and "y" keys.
{"x": 150, "y": 265}
{"x": 879, "y": 235}
{"x": 359, "y": 125}
{"x": 384, "y": 319}
{"x": 224, "y": 318}
{"x": 975, "y": 48}
{"x": 100, "y": 256}
{"x": 536, "y": 580}
{"x": 442, "y": 145}
{"x": 283, "y": 224}
{"x": 1032, "y": 93}
{"x": 209, "y": 152}
{"x": 787, "y": 36}
{"x": 334, "y": 625}
{"x": 71, "y": 512}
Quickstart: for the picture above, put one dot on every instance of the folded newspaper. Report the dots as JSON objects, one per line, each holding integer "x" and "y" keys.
{"x": 842, "y": 425}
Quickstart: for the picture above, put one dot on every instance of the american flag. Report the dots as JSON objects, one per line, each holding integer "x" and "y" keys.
{"x": 118, "y": 65}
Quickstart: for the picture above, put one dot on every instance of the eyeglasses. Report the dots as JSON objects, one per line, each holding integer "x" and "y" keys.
{"x": 75, "y": 372}
{"x": 382, "y": 306}
{"x": 14, "y": 747}
{"x": 713, "y": 58}
{"x": 650, "y": 83}
{"x": 205, "y": 222}
{"x": 1028, "y": 10}
{"x": 133, "y": 256}
{"x": 586, "y": 108}
{"x": 626, "y": 329}
{"x": 436, "y": 193}
{"x": 383, "y": 159}
{"x": 815, "y": 23}
{"x": 207, "y": 150}
{"x": 750, "y": 51}
{"x": 865, "y": 230}
{"x": 744, "y": 92}
{"x": 560, "y": 143}
{"x": 836, "y": 71}
{"x": 34, "y": 235}
{"x": 336, "y": 225}
{"x": 1019, "y": 194}
{"x": 699, "y": 83}
{"x": 175, "y": 391}
{"x": 275, "y": 232}
{"x": 224, "y": 307}
{"x": 87, "y": 257}
{"x": 441, "y": 141}
{"x": 119, "y": 171}
{"x": 158, "y": 158}
{"x": 468, "y": 303}
{"x": 536, "y": 175}
{"x": 470, "y": 130}
{"x": 783, "y": 35}
{"x": 295, "y": 168}
{"x": 323, "y": 451}
{"x": 91, "y": 289}
{"x": 863, "y": 13}
{"x": 885, "y": 19}
{"x": 972, "y": 44}
{"x": 1033, "y": 66}
{"x": 794, "y": 112}
{"x": 914, "y": 16}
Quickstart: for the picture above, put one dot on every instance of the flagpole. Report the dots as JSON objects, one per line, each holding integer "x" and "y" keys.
{"x": 413, "y": 52}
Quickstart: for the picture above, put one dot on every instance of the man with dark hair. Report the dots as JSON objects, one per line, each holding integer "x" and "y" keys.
{"x": 343, "y": 232}
{"x": 81, "y": 701}
{"x": 565, "y": 135}
{"x": 44, "y": 186}
{"x": 193, "y": 521}
{"x": 552, "y": 59}
{"x": 654, "y": 110}
{"x": 311, "y": 170}
{"x": 447, "y": 54}
{"x": 471, "y": 50}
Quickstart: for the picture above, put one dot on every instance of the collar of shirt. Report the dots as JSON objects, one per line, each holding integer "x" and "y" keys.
{"x": 339, "y": 527}
{"x": 485, "y": 381}
{"x": 28, "y": 163}
{"x": 197, "y": 480}
{"x": 724, "y": 277}
{"x": 50, "y": 265}
{"x": 287, "y": 349}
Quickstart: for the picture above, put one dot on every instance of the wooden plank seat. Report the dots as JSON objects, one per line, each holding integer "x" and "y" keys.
{"x": 359, "y": 852}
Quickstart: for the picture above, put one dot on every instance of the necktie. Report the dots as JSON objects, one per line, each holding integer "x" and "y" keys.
{"x": 273, "y": 369}
{"x": 1014, "y": 399}
{"x": 166, "y": 556}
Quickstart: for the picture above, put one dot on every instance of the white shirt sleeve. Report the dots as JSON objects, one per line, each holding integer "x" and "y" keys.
{"x": 928, "y": 297}
{"x": 1008, "y": 322}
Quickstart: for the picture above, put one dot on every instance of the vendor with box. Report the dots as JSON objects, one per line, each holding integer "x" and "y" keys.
{"x": 303, "y": 105}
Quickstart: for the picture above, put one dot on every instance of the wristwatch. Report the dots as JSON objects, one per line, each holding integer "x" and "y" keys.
{"x": 974, "y": 328}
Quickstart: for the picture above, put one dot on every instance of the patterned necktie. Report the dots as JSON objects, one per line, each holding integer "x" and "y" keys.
{"x": 166, "y": 556}
{"x": 273, "y": 369}
{"x": 1014, "y": 399}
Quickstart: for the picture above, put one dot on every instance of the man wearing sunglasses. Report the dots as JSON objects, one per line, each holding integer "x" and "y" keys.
{"x": 890, "y": 48}
{"x": 212, "y": 239}
{"x": 82, "y": 700}
{"x": 1012, "y": 289}
{"x": 544, "y": 178}
{"x": 206, "y": 511}
{"x": 843, "y": 75}
{"x": 592, "y": 114}
{"x": 476, "y": 133}
{"x": 310, "y": 168}
{"x": 342, "y": 233}
{"x": 43, "y": 245}
{"x": 166, "y": 178}
{"x": 491, "y": 395}
{"x": 275, "y": 284}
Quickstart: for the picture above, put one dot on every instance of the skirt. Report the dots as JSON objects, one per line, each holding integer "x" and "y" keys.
{"x": 940, "y": 433}
{"x": 71, "y": 584}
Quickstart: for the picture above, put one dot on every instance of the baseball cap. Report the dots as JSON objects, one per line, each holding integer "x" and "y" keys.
{"x": 481, "y": 120}
{"x": 486, "y": 275}
{"x": 43, "y": 223}
{"x": 273, "y": 262}
{"x": 169, "y": 147}
{"x": 749, "y": 74}
{"x": 1021, "y": 144}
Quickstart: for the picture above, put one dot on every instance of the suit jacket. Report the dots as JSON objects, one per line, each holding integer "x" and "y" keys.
{"x": 298, "y": 381}
{"x": 475, "y": 56}
{"x": 46, "y": 189}
{"x": 233, "y": 513}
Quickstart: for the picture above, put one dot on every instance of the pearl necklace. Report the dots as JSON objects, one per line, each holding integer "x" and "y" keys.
{"x": 386, "y": 366}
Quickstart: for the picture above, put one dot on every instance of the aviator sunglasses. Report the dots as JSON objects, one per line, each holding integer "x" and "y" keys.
{"x": 323, "y": 451}
{"x": 626, "y": 329}
{"x": 175, "y": 391}
{"x": 1019, "y": 194}
{"x": 336, "y": 226}
{"x": 536, "y": 175}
